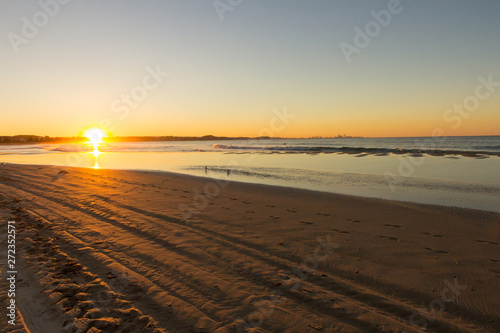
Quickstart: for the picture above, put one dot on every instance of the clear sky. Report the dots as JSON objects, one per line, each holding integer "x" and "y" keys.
{"x": 68, "y": 66}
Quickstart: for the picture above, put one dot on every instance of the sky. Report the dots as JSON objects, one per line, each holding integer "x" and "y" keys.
{"x": 245, "y": 68}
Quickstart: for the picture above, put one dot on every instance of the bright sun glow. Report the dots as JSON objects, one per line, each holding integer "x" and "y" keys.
{"x": 95, "y": 135}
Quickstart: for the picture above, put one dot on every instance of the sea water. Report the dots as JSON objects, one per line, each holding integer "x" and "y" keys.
{"x": 452, "y": 171}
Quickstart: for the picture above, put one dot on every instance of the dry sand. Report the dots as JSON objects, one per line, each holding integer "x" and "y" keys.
{"x": 111, "y": 251}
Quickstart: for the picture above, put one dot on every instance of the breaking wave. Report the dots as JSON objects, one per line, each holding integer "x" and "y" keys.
{"x": 352, "y": 150}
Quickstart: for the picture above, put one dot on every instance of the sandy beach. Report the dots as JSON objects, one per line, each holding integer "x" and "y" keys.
{"x": 136, "y": 251}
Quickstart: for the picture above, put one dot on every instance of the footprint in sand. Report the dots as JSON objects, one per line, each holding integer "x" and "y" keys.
{"x": 389, "y": 237}
{"x": 341, "y": 231}
{"x": 291, "y": 211}
{"x": 433, "y": 235}
{"x": 354, "y": 221}
{"x": 487, "y": 242}
{"x": 393, "y": 226}
{"x": 436, "y": 251}
{"x": 270, "y": 206}
{"x": 323, "y": 214}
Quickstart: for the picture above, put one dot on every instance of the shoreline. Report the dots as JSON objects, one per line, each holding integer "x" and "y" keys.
{"x": 306, "y": 191}
{"x": 245, "y": 244}
{"x": 285, "y": 186}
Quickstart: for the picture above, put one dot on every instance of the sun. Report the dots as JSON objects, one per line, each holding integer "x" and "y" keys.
{"x": 95, "y": 135}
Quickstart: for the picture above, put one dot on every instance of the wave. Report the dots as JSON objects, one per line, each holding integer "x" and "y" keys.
{"x": 361, "y": 147}
{"x": 114, "y": 148}
{"x": 274, "y": 148}
{"x": 66, "y": 148}
{"x": 355, "y": 150}
{"x": 488, "y": 147}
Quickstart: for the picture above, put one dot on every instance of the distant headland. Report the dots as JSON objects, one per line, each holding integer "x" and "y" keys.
{"x": 34, "y": 139}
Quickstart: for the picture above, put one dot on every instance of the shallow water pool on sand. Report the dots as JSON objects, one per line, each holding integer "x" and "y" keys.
{"x": 445, "y": 180}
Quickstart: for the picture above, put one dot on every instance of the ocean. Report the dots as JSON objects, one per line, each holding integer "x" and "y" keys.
{"x": 448, "y": 171}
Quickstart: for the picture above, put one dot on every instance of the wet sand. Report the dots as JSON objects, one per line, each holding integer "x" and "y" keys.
{"x": 126, "y": 251}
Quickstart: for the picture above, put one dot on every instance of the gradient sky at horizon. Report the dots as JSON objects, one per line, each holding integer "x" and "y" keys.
{"x": 226, "y": 77}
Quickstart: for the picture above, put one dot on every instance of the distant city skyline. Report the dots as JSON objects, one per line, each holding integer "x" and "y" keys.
{"x": 250, "y": 68}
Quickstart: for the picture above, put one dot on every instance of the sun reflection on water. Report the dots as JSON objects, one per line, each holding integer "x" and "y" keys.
{"x": 96, "y": 154}
{"x": 95, "y": 136}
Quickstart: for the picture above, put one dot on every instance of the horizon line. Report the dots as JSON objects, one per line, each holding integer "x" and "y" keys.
{"x": 247, "y": 137}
